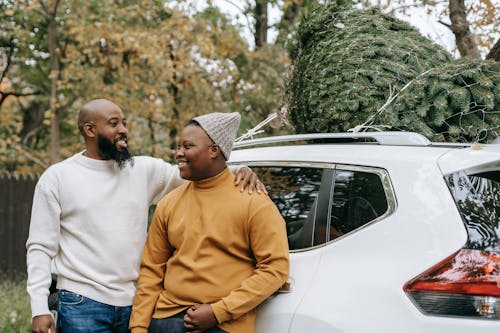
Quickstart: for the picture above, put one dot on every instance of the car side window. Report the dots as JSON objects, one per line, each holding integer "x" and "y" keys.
{"x": 358, "y": 198}
{"x": 294, "y": 190}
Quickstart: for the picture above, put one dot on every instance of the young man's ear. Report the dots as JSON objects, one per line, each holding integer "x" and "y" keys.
{"x": 215, "y": 151}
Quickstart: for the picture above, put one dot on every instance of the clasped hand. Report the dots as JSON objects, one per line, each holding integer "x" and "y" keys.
{"x": 199, "y": 318}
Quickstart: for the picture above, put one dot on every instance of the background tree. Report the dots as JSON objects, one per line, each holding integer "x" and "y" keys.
{"x": 23, "y": 85}
{"x": 474, "y": 23}
{"x": 162, "y": 65}
{"x": 261, "y": 22}
{"x": 465, "y": 41}
{"x": 268, "y": 63}
{"x": 494, "y": 53}
{"x": 354, "y": 67}
{"x": 50, "y": 15}
{"x": 476, "y": 20}
{"x": 292, "y": 10}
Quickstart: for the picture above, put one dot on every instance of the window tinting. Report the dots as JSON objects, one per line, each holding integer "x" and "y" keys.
{"x": 478, "y": 200}
{"x": 294, "y": 191}
{"x": 358, "y": 198}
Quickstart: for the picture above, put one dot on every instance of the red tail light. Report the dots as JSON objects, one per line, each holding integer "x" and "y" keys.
{"x": 466, "y": 284}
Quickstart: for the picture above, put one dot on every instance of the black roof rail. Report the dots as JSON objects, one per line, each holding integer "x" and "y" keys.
{"x": 382, "y": 138}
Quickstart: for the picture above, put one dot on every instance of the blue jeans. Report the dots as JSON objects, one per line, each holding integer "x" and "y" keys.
{"x": 79, "y": 314}
{"x": 174, "y": 324}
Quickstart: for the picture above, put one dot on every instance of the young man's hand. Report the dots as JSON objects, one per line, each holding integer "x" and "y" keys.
{"x": 248, "y": 178}
{"x": 43, "y": 324}
{"x": 199, "y": 318}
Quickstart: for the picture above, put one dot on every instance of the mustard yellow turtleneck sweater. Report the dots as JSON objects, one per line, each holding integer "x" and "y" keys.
{"x": 210, "y": 243}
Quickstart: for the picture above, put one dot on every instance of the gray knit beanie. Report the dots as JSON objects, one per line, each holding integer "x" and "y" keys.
{"x": 221, "y": 128}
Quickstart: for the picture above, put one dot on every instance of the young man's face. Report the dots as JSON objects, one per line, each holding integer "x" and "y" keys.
{"x": 195, "y": 154}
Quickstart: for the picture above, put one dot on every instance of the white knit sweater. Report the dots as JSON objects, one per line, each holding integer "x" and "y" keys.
{"x": 90, "y": 218}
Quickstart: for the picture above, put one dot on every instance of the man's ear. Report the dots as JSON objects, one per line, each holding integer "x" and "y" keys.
{"x": 88, "y": 129}
{"x": 215, "y": 151}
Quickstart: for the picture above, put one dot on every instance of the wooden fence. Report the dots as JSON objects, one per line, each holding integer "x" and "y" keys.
{"x": 16, "y": 196}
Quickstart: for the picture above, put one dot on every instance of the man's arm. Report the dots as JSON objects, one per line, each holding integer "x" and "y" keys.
{"x": 42, "y": 245}
{"x": 156, "y": 252}
{"x": 167, "y": 177}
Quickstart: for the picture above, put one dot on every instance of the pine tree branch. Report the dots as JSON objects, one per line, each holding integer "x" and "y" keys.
{"x": 388, "y": 102}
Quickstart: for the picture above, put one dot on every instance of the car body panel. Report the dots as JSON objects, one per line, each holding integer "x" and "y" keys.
{"x": 276, "y": 313}
{"x": 483, "y": 157}
{"x": 358, "y": 281}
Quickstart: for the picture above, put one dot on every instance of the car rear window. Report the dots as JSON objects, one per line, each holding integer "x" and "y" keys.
{"x": 478, "y": 199}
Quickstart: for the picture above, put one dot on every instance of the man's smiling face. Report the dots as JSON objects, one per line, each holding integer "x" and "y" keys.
{"x": 195, "y": 153}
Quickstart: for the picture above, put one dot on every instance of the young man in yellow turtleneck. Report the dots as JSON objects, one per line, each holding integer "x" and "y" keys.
{"x": 213, "y": 254}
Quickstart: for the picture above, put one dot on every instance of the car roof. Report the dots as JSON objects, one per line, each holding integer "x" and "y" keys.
{"x": 389, "y": 149}
{"x": 356, "y": 154}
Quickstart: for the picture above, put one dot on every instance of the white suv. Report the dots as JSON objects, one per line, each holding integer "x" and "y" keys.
{"x": 388, "y": 232}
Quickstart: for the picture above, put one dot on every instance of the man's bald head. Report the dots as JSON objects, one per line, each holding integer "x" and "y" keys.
{"x": 91, "y": 110}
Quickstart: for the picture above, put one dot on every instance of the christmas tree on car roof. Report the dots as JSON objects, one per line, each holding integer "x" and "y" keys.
{"x": 356, "y": 67}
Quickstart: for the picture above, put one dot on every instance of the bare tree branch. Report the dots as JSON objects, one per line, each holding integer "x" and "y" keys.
{"x": 445, "y": 24}
{"x": 31, "y": 156}
{"x": 4, "y": 95}
{"x": 241, "y": 10}
{"x": 401, "y": 8}
{"x": 44, "y": 6}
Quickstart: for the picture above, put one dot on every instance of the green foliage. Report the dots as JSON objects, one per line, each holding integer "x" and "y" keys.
{"x": 348, "y": 63}
{"x": 161, "y": 65}
{"x": 15, "y": 312}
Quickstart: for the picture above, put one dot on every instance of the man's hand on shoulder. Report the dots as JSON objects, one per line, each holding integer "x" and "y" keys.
{"x": 43, "y": 324}
{"x": 247, "y": 177}
{"x": 199, "y": 318}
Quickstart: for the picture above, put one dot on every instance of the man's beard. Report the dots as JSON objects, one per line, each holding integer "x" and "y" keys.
{"x": 109, "y": 151}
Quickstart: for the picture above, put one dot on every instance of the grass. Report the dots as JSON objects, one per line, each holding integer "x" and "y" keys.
{"x": 15, "y": 312}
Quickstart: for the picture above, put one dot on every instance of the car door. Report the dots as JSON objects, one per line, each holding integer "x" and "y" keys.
{"x": 301, "y": 193}
{"x": 360, "y": 197}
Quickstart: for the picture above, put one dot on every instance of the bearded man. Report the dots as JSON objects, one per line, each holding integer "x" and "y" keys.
{"x": 89, "y": 219}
